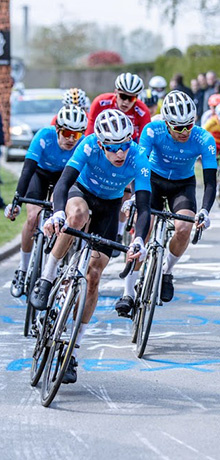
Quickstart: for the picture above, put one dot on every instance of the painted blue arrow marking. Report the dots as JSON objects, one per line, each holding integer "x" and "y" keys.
{"x": 174, "y": 365}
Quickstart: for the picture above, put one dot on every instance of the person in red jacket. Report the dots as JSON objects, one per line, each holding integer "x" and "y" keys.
{"x": 127, "y": 88}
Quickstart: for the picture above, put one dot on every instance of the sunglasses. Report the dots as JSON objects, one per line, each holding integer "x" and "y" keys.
{"x": 180, "y": 129}
{"x": 125, "y": 97}
{"x": 115, "y": 147}
{"x": 68, "y": 133}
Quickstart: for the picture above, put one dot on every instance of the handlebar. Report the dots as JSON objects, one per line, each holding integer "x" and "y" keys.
{"x": 44, "y": 204}
{"x": 172, "y": 215}
{"x": 129, "y": 267}
{"x": 198, "y": 232}
{"x": 96, "y": 240}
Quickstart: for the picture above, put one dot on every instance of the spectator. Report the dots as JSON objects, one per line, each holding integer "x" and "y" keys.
{"x": 198, "y": 95}
{"x": 201, "y": 78}
{"x": 211, "y": 79}
{"x": 213, "y": 101}
{"x": 2, "y": 142}
{"x": 178, "y": 84}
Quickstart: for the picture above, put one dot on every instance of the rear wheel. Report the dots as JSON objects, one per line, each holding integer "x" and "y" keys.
{"x": 43, "y": 325}
{"x": 35, "y": 272}
{"x": 63, "y": 341}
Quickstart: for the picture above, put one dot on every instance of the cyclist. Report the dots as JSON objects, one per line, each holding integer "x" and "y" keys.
{"x": 125, "y": 98}
{"x": 95, "y": 178}
{"x": 213, "y": 126}
{"x": 150, "y": 100}
{"x": 127, "y": 88}
{"x": 173, "y": 146}
{"x": 74, "y": 96}
{"x": 46, "y": 157}
{"x": 158, "y": 85}
{"x": 213, "y": 101}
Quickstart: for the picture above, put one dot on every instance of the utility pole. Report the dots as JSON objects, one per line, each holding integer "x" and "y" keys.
{"x": 5, "y": 67}
{"x": 25, "y": 30}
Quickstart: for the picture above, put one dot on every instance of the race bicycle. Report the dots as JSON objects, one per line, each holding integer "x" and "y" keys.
{"x": 148, "y": 288}
{"x": 55, "y": 329}
{"x": 41, "y": 247}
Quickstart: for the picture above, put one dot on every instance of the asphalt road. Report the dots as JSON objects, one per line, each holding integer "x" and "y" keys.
{"x": 165, "y": 406}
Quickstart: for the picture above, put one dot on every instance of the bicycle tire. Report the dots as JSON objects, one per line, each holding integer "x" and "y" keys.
{"x": 40, "y": 353}
{"x": 35, "y": 274}
{"x": 52, "y": 378}
{"x": 149, "y": 297}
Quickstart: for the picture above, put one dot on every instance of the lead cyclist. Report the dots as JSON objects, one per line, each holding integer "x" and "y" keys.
{"x": 173, "y": 146}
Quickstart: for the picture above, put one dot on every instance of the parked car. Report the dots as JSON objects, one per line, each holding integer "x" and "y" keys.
{"x": 31, "y": 110}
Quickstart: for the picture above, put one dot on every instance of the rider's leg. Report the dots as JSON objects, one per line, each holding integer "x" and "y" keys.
{"x": 77, "y": 213}
{"x": 178, "y": 244}
{"x": 179, "y": 241}
{"x": 126, "y": 302}
{"x": 122, "y": 222}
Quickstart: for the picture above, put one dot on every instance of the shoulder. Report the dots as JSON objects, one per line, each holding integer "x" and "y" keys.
{"x": 156, "y": 127}
{"x": 103, "y": 100}
{"x": 202, "y": 136}
{"x": 88, "y": 144}
{"x": 49, "y": 131}
{"x": 140, "y": 108}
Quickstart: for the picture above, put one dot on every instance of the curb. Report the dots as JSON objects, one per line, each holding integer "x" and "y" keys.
{"x": 10, "y": 248}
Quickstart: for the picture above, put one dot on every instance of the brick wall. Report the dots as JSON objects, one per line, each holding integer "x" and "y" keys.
{"x": 5, "y": 79}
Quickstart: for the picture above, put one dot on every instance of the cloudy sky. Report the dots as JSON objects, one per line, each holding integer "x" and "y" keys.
{"x": 128, "y": 14}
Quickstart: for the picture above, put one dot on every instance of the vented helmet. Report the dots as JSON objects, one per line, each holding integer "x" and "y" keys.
{"x": 129, "y": 83}
{"x": 158, "y": 85}
{"x": 72, "y": 117}
{"x": 148, "y": 97}
{"x": 113, "y": 126}
{"x": 178, "y": 108}
{"x": 75, "y": 96}
{"x": 214, "y": 100}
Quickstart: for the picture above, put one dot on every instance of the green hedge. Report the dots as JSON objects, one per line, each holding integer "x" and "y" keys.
{"x": 197, "y": 59}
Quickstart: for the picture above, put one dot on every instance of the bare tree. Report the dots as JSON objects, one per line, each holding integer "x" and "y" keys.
{"x": 60, "y": 44}
{"x": 171, "y": 8}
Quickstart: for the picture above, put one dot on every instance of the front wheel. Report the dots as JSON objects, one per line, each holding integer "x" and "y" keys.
{"x": 63, "y": 341}
{"x": 148, "y": 301}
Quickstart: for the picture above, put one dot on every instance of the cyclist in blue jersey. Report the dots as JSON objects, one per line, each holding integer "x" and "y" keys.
{"x": 94, "y": 178}
{"x": 173, "y": 146}
{"x": 48, "y": 153}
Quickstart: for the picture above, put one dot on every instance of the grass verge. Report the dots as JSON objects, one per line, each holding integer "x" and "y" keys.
{"x": 8, "y": 229}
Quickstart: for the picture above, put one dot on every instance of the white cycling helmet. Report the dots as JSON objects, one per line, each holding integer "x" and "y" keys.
{"x": 75, "y": 96}
{"x": 129, "y": 83}
{"x": 113, "y": 126}
{"x": 178, "y": 108}
{"x": 72, "y": 117}
{"x": 158, "y": 85}
{"x": 217, "y": 111}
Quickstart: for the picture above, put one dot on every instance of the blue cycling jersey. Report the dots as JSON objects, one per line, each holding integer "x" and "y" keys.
{"x": 104, "y": 180}
{"x": 45, "y": 150}
{"x": 176, "y": 160}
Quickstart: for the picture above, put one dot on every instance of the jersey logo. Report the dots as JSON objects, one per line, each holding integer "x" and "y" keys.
{"x": 145, "y": 172}
{"x": 42, "y": 143}
{"x": 103, "y": 103}
{"x": 211, "y": 148}
{"x": 87, "y": 149}
{"x": 139, "y": 111}
{"x": 150, "y": 132}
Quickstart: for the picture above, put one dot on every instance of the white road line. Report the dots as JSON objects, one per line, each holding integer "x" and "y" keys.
{"x": 150, "y": 446}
